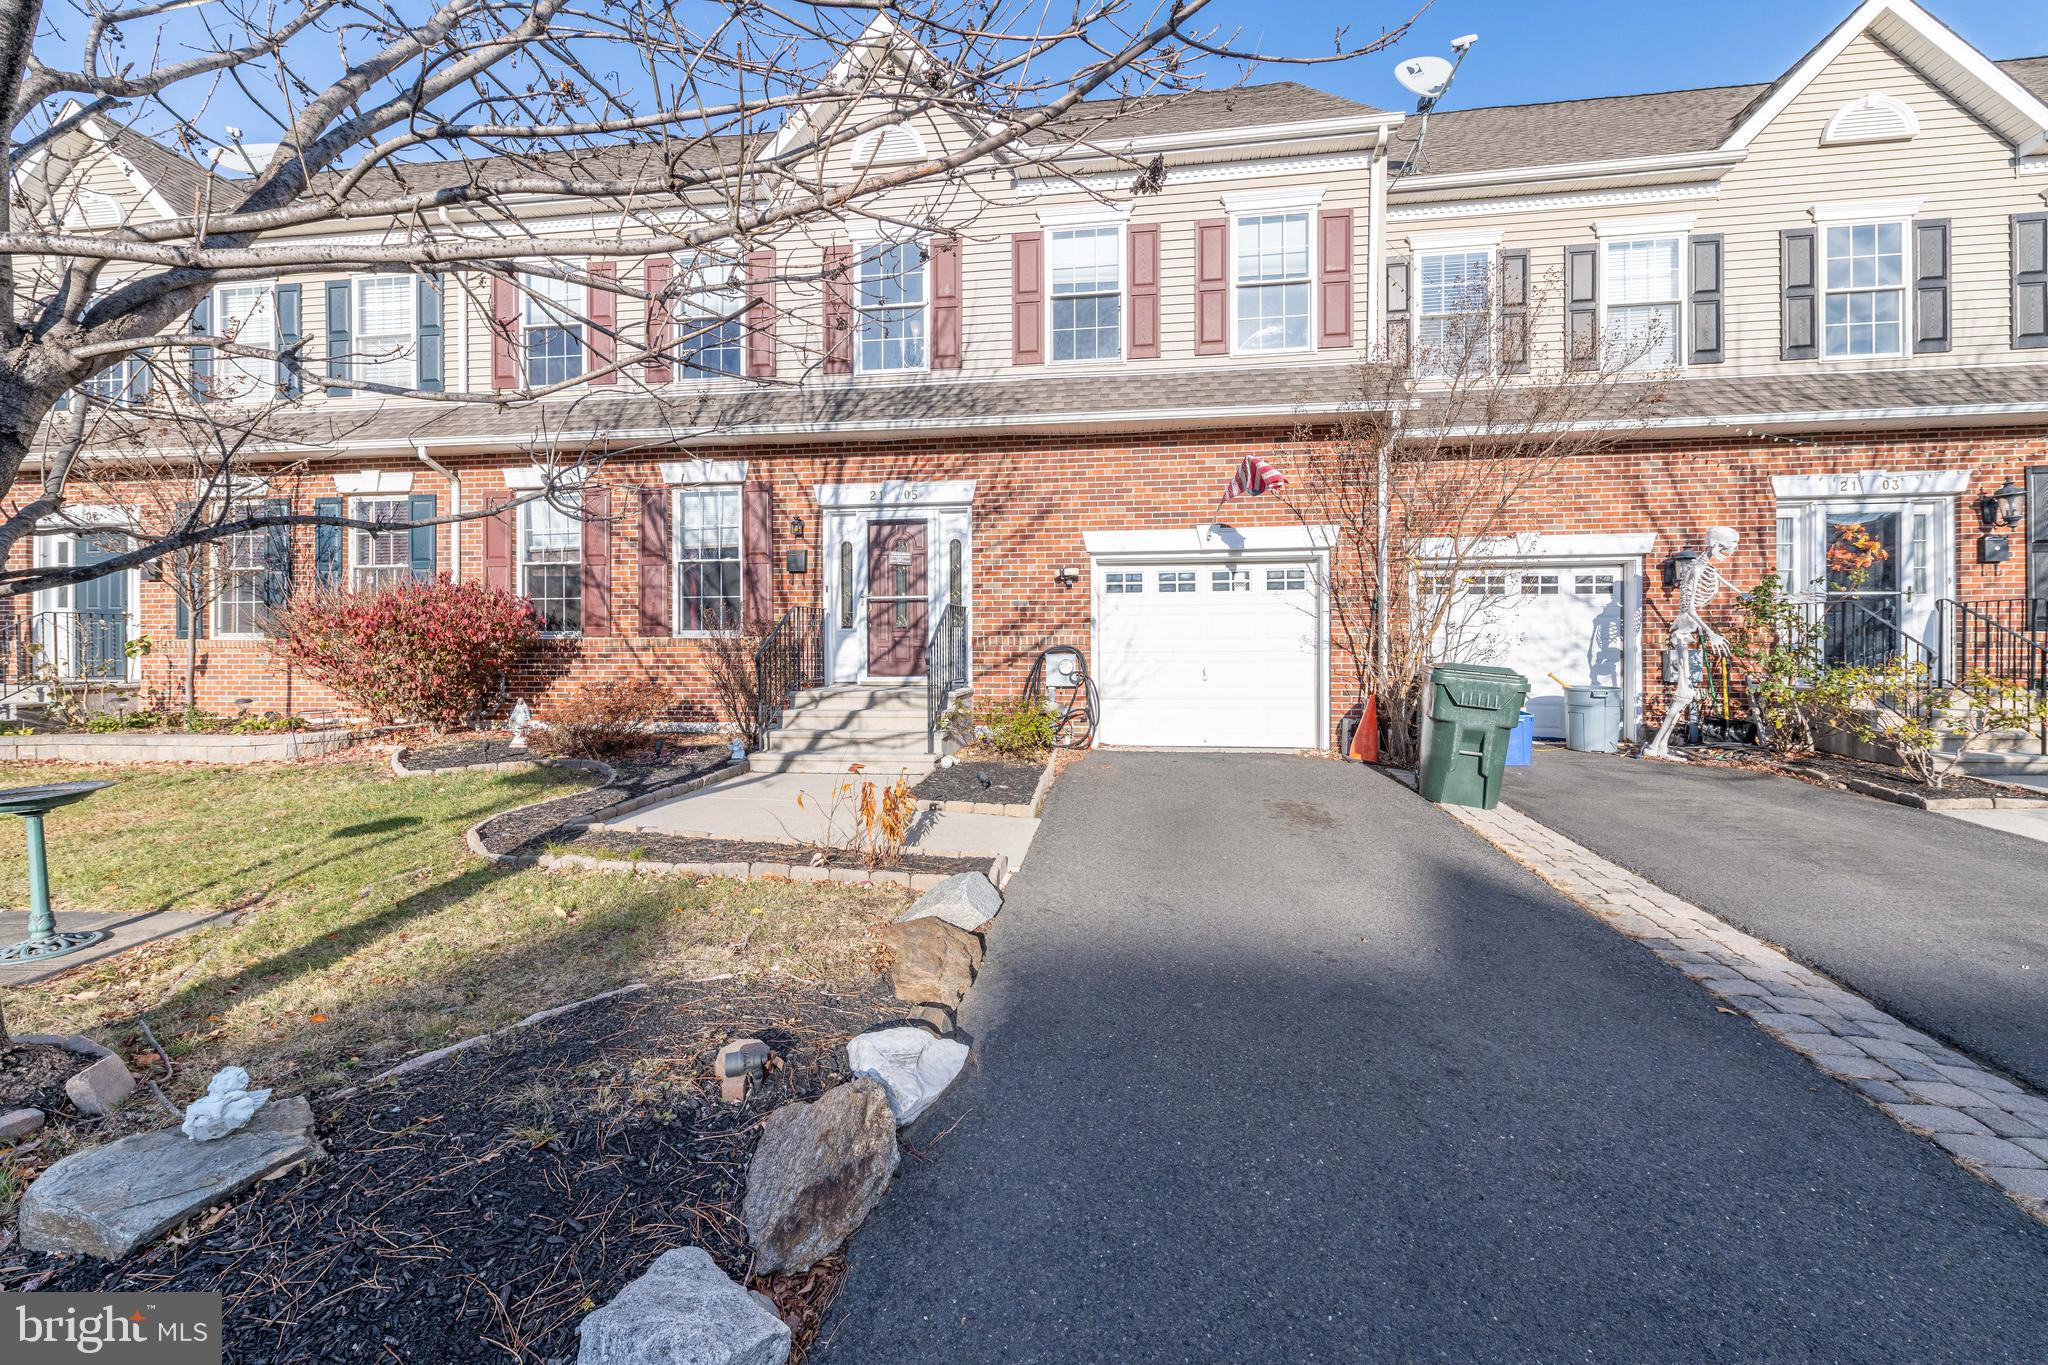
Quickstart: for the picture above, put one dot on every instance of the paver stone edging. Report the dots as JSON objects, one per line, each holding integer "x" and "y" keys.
{"x": 998, "y": 871}
{"x": 1031, "y": 809}
{"x": 579, "y": 765}
{"x": 1989, "y": 1125}
{"x": 1939, "y": 803}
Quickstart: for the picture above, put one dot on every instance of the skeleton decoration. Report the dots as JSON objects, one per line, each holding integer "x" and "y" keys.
{"x": 1699, "y": 581}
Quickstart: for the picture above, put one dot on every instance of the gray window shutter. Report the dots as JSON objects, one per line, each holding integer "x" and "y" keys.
{"x": 327, "y": 544}
{"x": 2030, "y": 279}
{"x": 429, "y": 349}
{"x": 339, "y": 339}
{"x": 1930, "y": 286}
{"x": 1705, "y": 344}
{"x": 2037, "y": 542}
{"x": 1799, "y": 335}
{"x": 1582, "y": 307}
{"x": 421, "y": 539}
{"x": 290, "y": 332}
{"x": 201, "y": 357}
{"x": 1399, "y": 277}
{"x": 1514, "y": 311}
{"x": 277, "y": 555}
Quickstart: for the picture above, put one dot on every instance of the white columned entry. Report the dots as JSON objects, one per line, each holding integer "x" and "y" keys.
{"x": 848, "y": 514}
{"x": 1896, "y": 530}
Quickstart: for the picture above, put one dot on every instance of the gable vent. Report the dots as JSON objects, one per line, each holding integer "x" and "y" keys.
{"x": 886, "y": 146}
{"x": 91, "y": 209}
{"x": 1870, "y": 118}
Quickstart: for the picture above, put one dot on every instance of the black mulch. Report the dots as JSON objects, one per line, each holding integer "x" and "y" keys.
{"x": 479, "y": 1208}
{"x": 1830, "y": 770}
{"x": 526, "y": 829}
{"x": 1002, "y": 781}
{"x": 669, "y": 848}
{"x": 464, "y": 753}
{"x": 32, "y": 1076}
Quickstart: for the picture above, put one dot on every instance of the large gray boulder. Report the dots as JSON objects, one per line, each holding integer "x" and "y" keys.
{"x": 930, "y": 961}
{"x": 965, "y": 900}
{"x": 818, "y": 1172}
{"x": 683, "y": 1311}
{"x": 109, "y": 1200}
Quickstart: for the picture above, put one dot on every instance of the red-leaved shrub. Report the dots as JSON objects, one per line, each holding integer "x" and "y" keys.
{"x": 427, "y": 650}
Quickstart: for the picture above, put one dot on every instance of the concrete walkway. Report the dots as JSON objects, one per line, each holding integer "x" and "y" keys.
{"x": 794, "y": 808}
{"x": 130, "y": 929}
{"x": 1276, "y": 1063}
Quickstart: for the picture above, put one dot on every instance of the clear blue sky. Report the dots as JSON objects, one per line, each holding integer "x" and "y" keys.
{"x": 1530, "y": 50}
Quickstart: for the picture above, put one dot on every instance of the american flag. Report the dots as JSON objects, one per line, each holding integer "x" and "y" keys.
{"x": 1254, "y": 477}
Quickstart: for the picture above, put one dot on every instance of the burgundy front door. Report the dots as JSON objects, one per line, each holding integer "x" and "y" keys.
{"x": 899, "y": 600}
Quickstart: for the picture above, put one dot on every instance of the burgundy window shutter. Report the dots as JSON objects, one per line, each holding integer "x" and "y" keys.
{"x": 757, "y": 534}
{"x": 655, "y": 570}
{"x": 1333, "y": 278}
{"x": 1212, "y": 286}
{"x": 946, "y": 303}
{"x": 498, "y": 536}
{"x": 761, "y": 314}
{"x": 1144, "y": 292}
{"x": 597, "y": 561}
{"x": 1027, "y": 298}
{"x": 504, "y": 330}
{"x": 658, "y": 334}
{"x": 601, "y": 337}
{"x": 838, "y": 310}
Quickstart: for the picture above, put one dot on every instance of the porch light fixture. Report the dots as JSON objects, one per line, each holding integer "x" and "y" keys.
{"x": 1066, "y": 575}
{"x": 2006, "y": 507}
{"x": 796, "y": 527}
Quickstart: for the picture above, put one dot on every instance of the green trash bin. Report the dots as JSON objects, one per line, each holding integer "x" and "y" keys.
{"x": 1472, "y": 708}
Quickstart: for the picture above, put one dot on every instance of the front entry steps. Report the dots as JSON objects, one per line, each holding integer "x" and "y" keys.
{"x": 880, "y": 726}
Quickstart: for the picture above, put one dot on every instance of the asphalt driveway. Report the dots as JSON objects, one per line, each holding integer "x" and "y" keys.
{"x": 1943, "y": 923}
{"x": 1275, "y": 1063}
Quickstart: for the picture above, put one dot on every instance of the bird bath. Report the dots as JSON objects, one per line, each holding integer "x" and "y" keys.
{"x": 32, "y": 804}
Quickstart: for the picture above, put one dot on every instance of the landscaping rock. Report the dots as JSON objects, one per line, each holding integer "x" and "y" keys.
{"x": 102, "y": 1087}
{"x": 937, "y": 1016}
{"x": 818, "y": 1172}
{"x": 17, "y": 1124}
{"x": 683, "y": 1311}
{"x": 932, "y": 962}
{"x": 966, "y": 900}
{"x": 911, "y": 1065}
{"x": 109, "y": 1200}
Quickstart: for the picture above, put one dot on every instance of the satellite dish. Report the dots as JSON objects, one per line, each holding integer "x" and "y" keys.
{"x": 1425, "y": 76}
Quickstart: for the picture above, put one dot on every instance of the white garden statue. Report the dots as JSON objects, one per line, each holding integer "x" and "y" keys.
{"x": 1699, "y": 582}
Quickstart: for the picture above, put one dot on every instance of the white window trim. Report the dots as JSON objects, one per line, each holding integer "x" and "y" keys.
{"x": 354, "y": 534}
{"x": 519, "y": 568}
{"x": 218, "y": 318}
{"x": 675, "y": 553}
{"x": 1606, "y": 294}
{"x": 1480, "y": 243}
{"x": 1665, "y": 225}
{"x": 1090, "y": 214}
{"x": 1866, "y": 210}
{"x": 860, "y": 253}
{"x": 531, "y": 478}
{"x": 213, "y": 608}
{"x": 1304, "y": 199}
{"x": 1123, "y": 296}
{"x": 412, "y": 314}
{"x": 1464, "y": 239}
{"x": 1237, "y": 217}
{"x": 568, "y": 265}
{"x": 1871, "y": 483}
{"x": 1900, "y": 213}
{"x": 368, "y": 483}
{"x": 695, "y": 472}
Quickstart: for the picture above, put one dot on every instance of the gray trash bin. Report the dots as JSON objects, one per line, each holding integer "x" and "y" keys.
{"x": 1592, "y": 719}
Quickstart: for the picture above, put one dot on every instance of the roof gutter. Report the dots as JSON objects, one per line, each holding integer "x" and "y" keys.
{"x": 1351, "y": 125}
{"x": 1527, "y": 177}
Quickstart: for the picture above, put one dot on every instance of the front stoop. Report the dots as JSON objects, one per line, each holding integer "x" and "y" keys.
{"x": 881, "y": 727}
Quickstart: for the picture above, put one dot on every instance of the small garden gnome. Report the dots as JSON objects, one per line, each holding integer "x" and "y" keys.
{"x": 227, "y": 1104}
{"x": 1699, "y": 580}
{"x": 522, "y": 716}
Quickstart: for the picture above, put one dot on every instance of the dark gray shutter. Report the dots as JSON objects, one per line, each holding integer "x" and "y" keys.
{"x": 339, "y": 340}
{"x": 1705, "y": 345}
{"x": 277, "y": 557}
{"x": 290, "y": 332}
{"x": 428, "y": 348}
{"x": 1930, "y": 286}
{"x": 1582, "y": 307}
{"x": 327, "y": 544}
{"x": 201, "y": 357}
{"x": 1399, "y": 279}
{"x": 1799, "y": 334}
{"x": 2037, "y": 542}
{"x": 421, "y": 539}
{"x": 2030, "y": 279}
{"x": 1514, "y": 311}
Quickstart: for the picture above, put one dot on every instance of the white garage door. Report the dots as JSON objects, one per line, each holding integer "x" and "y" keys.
{"x": 1209, "y": 655}
{"x": 1561, "y": 619}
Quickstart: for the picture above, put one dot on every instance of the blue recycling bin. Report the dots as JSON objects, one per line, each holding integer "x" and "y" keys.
{"x": 1522, "y": 741}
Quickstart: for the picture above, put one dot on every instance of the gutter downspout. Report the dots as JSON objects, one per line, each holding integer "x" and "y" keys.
{"x": 454, "y": 507}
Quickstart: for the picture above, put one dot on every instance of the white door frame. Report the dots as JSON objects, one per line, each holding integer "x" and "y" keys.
{"x": 845, "y": 511}
{"x": 66, "y": 530}
{"x": 1925, "y": 502}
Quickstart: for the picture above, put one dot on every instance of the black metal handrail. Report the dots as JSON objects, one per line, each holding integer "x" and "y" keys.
{"x": 945, "y": 668}
{"x": 1851, "y": 632}
{"x": 64, "y": 646}
{"x": 2000, "y": 639}
{"x": 791, "y": 658}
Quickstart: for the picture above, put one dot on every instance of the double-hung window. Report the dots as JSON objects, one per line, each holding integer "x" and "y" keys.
{"x": 379, "y": 557}
{"x": 1864, "y": 274}
{"x": 242, "y": 606}
{"x": 124, "y": 381}
{"x": 889, "y": 303}
{"x": 386, "y": 329}
{"x": 1270, "y": 282}
{"x": 552, "y": 328}
{"x": 246, "y": 314}
{"x": 1087, "y": 293}
{"x": 1642, "y": 290}
{"x": 1454, "y": 315}
{"x": 551, "y": 562}
{"x": 708, "y": 558}
{"x": 710, "y": 328}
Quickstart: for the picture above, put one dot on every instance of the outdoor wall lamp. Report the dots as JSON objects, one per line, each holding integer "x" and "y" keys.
{"x": 1066, "y": 575}
{"x": 796, "y": 527}
{"x": 2006, "y": 507}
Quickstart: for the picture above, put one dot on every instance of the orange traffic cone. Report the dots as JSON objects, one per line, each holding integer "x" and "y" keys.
{"x": 1365, "y": 740}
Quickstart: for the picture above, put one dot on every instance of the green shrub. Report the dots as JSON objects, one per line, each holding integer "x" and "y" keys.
{"x": 1020, "y": 728}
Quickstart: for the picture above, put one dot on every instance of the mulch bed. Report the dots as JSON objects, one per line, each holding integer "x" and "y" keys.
{"x": 464, "y": 753}
{"x": 526, "y": 829}
{"x": 671, "y": 848}
{"x": 476, "y": 1210}
{"x": 1831, "y": 770}
{"x": 32, "y": 1076}
{"x": 1006, "y": 782}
